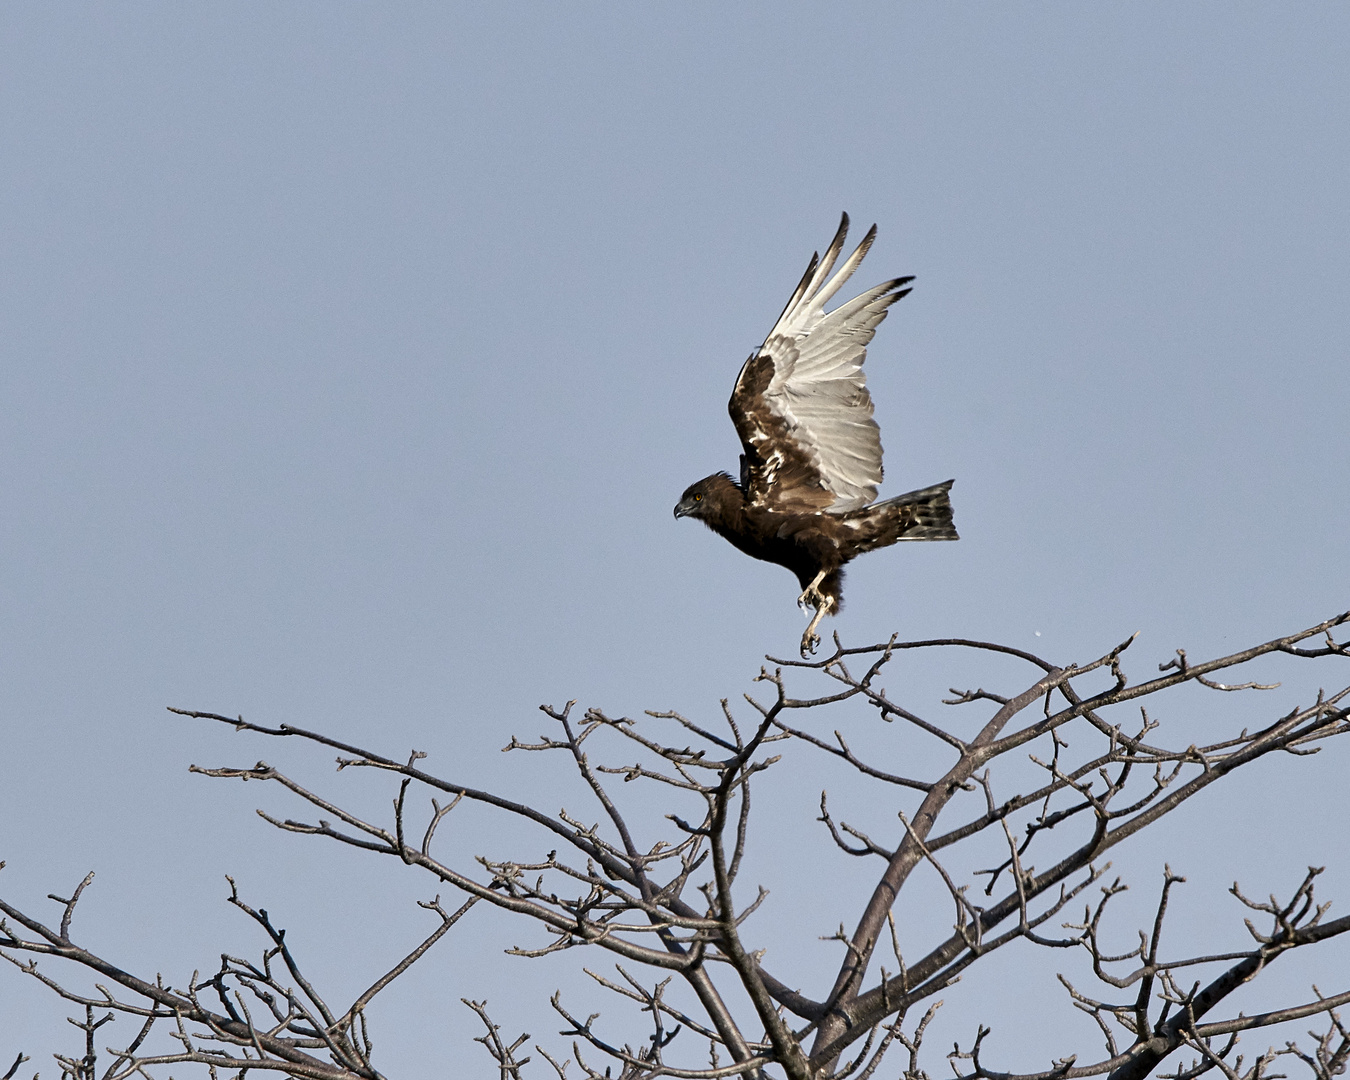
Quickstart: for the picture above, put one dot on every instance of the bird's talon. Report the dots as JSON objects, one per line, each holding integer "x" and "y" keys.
{"x": 812, "y": 596}
{"x": 809, "y": 643}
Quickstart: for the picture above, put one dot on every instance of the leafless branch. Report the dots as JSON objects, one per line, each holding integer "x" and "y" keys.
{"x": 654, "y": 879}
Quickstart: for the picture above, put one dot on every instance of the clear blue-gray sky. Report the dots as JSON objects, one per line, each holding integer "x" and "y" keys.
{"x": 354, "y": 355}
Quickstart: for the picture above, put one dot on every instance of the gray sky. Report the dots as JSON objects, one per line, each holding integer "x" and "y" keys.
{"x": 355, "y": 355}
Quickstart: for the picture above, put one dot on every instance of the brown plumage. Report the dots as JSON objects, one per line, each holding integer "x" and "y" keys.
{"x": 812, "y": 452}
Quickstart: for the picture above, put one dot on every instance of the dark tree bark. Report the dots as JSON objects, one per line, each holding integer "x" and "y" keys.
{"x": 662, "y": 895}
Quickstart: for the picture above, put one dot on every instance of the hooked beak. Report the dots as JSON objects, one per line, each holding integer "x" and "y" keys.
{"x": 684, "y": 508}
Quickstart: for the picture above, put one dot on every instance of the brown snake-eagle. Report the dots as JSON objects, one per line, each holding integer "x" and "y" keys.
{"x": 812, "y": 452}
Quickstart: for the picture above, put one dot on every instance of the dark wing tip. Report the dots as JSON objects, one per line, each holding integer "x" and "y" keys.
{"x": 841, "y": 234}
{"x": 895, "y": 289}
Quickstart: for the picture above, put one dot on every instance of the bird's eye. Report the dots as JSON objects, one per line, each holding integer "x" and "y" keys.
{"x": 698, "y": 498}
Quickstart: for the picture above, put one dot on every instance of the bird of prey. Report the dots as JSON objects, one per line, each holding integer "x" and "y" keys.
{"x": 812, "y": 452}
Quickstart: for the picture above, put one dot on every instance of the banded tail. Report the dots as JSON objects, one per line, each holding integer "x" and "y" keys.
{"x": 917, "y": 515}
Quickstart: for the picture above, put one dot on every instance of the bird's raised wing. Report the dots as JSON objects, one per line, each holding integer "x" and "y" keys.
{"x": 801, "y": 405}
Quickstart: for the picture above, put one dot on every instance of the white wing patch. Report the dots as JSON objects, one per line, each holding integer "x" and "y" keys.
{"x": 818, "y": 389}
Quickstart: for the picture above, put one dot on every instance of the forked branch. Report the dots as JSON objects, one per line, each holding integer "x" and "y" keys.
{"x": 651, "y": 871}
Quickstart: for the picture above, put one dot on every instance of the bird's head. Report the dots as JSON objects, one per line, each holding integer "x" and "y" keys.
{"x": 699, "y": 500}
{"x": 691, "y": 502}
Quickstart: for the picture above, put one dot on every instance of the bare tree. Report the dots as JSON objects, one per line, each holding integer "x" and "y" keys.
{"x": 659, "y": 891}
